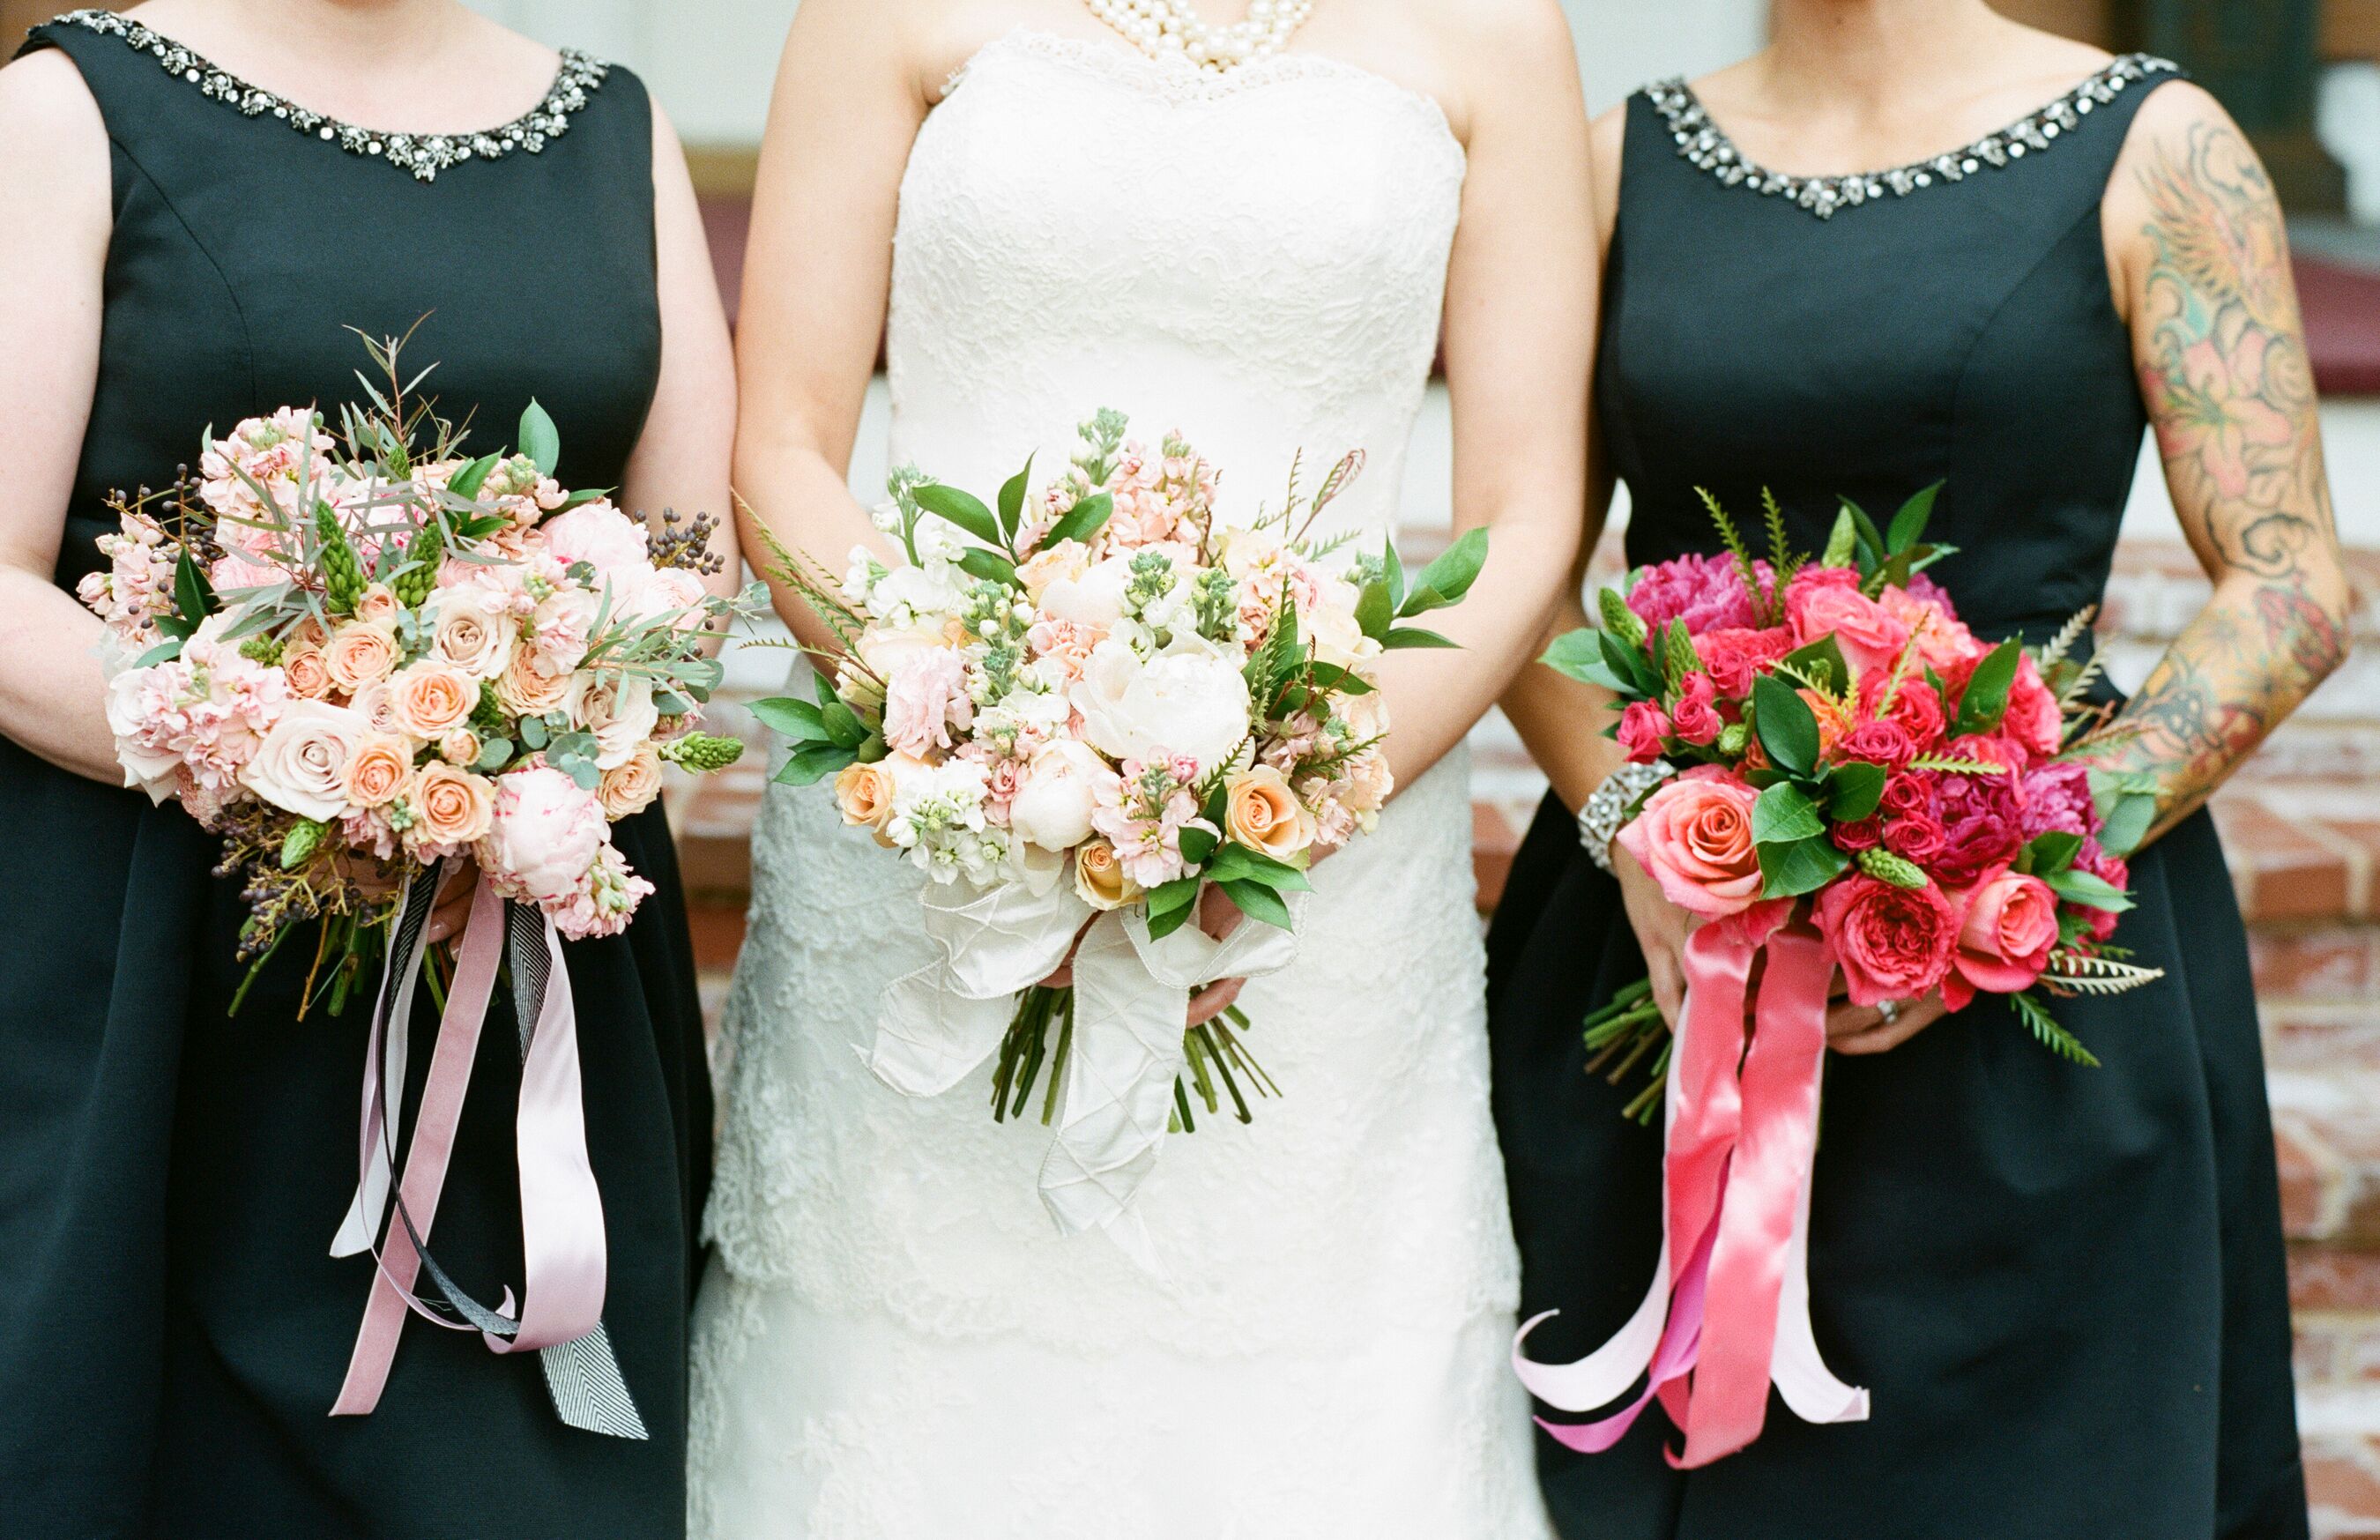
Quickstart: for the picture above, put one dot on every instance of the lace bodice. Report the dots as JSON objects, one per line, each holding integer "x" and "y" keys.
{"x": 1255, "y": 259}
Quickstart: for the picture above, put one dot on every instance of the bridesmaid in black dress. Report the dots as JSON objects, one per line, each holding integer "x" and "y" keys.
{"x": 182, "y": 243}
{"x": 2064, "y": 1286}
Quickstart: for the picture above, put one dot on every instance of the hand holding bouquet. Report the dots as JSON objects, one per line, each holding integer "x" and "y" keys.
{"x": 1869, "y": 791}
{"x": 1076, "y": 709}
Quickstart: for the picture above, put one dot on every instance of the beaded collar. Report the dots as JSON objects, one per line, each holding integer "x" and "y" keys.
{"x": 425, "y": 155}
{"x": 1706, "y": 144}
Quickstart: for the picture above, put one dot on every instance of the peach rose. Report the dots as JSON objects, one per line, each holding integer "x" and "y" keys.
{"x": 1260, "y": 811}
{"x": 378, "y": 606}
{"x": 378, "y": 771}
{"x": 864, "y": 794}
{"x": 2006, "y": 935}
{"x": 459, "y": 748}
{"x": 630, "y": 786}
{"x": 1694, "y": 839}
{"x": 1099, "y": 877}
{"x": 523, "y": 689}
{"x": 1869, "y": 636}
{"x": 360, "y": 653}
{"x": 309, "y": 676}
{"x": 309, "y": 632}
{"x": 450, "y": 806}
{"x": 431, "y": 698}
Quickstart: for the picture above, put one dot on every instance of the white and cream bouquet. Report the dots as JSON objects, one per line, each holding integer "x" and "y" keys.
{"x": 1077, "y": 709}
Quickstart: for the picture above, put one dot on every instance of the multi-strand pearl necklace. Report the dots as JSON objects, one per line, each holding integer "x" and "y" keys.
{"x": 1170, "y": 28}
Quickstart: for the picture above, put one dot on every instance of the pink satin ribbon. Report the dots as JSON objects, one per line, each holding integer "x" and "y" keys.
{"x": 562, "y": 1212}
{"x": 1742, "y": 1136}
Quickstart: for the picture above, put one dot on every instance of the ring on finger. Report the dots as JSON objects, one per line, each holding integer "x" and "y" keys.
{"x": 1889, "y": 1010}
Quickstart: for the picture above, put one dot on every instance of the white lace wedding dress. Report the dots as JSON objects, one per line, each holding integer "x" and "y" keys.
{"x": 893, "y": 1343}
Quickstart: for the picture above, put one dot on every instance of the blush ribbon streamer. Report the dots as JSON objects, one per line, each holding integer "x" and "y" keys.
{"x": 560, "y": 1310}
{"x": 1728, "y": 1313}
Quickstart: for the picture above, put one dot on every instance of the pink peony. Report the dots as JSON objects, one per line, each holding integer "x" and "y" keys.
{"x": 2005, "y": 937}
{"x": 2058, "y": 798}
{"x": 1694, "y": 839}
{"x": 544, "y": 833}
{"x": 1642, "y": 729}
{"x": 1734, "y": 654}
{"x": 1706, "y": 592}
{"x": 927, "y": 696}
{"x": 1981, "y": 815}
{"x": 1893, "y": 943}
{"x": 1694, "y": 718}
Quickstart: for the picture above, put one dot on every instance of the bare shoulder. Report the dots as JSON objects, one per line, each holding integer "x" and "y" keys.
{"x": 1514, "y": 40}
{"x": 48, "y": 113}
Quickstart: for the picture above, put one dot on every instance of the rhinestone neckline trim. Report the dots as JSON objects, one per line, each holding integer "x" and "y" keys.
{"x": 1706, "y": 146}
{"x": 424, "y": 156}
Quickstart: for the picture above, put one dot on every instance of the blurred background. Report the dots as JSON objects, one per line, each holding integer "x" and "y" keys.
{"x": 2303, "y": 823}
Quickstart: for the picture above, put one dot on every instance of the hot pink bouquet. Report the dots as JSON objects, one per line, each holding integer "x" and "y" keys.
{"x": 1864, "y": 788}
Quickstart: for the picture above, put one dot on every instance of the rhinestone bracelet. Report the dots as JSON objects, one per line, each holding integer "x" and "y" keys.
{"x": 1600, "y": 820}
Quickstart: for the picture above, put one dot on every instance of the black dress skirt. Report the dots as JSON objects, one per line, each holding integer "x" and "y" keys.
{"x": 2065, "y": 1286}
{"x": 173, "y": 1331}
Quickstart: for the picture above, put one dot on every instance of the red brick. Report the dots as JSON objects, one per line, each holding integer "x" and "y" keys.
{"x": 2283, "y": 871}
{"x": 718, "y": 932}
{"x": 2302, "y": 1183}
{"x": 2331, "y": 1277}
{"x": 713, "y": 865}
{"x": 1493, "y": 845}
{"x": 2363, "y": 835}
{"x": 2330, "y": 962}
{"x": 2343, "y": 1488}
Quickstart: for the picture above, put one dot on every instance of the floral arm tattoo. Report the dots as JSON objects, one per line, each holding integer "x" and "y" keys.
{"x": 2224, "y": 372}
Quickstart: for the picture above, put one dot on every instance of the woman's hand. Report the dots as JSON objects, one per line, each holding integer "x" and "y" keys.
{"x": 1661, "y": 931}
{"x": 1863, "y": 1028}
{"x": 1218, "y": 916}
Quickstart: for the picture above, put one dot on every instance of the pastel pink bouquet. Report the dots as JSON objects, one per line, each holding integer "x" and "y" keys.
{"x": 1081, "y": 706}
{"x": 355, "y": 658}
{"x": 1865, "y": 790}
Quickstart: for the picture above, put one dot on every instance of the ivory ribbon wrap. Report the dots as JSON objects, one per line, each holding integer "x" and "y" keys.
{"x": 1132, "y": 1000}
{"x": 561, "y": 1304}
{"x": 1728, "y": 1313}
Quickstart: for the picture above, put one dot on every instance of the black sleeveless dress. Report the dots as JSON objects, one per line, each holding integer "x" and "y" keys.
{"x": 173, "y": 1331}
{"x": 2065, "y": 1286}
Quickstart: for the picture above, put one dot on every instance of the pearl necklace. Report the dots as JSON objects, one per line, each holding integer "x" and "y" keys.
{"x": 1170, "y": 28}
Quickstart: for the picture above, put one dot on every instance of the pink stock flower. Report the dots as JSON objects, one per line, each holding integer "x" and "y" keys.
{"x": 1706, "y": 592}
{"x": 2006, "y": 934}
{"x": 1893, "y": 943}
{"x": 1642, "y": 729}
{"x": 1694, "y": 839}
{"x": 924, "y": 700}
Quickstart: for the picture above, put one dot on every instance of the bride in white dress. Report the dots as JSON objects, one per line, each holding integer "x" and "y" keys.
{"x": 893, "y": 1343}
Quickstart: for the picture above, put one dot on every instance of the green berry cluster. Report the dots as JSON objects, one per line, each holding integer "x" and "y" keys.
{"x": 703, "y": 752}
{"x": 343, "y": 576}
{"x": 422, "y": 557}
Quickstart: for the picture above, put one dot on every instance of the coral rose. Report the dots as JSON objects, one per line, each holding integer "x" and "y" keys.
{"x": 1867, "y": 635}
{"x": 451, "y": 806}
{"x": 378, "y": 769}
{"x": 309, "y": 676}
{"x": 1694, "y": 838}
{"x": 526, "y": 688}
{"x": 360, "y": 653}
{"x": 430, "y": 699}
{"x": 2005, "y": 937}
{"x": 1893, "y": 943}
{"x": 1261, "y": 812}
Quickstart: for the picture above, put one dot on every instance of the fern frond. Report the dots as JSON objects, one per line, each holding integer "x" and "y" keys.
{"x": 1734, "y": 540}
{"x": 1951, "y": 766}
{"x": 2081, "y": 683}
{"x": 2058, "y": 646}
{"x": 2089, "y": 975}
{"x": 1783, "y": 558}
{"x": 2045, "y": 1028}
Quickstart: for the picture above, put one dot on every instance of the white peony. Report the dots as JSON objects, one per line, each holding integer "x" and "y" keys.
{"x": 1097, "y": 598}
{"x": 1052, "y": 809}
{"x": 1192, "y": 703}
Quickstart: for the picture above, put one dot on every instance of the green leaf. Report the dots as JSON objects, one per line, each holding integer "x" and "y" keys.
{"x": 2090, "y": 892}
{"x": 1822, "y": 661}
{"x": 1630, "y": 664}
{"x": 1258, "y": 902}
{"x": 465, "y": 483}
{"x": 1011, "y": 502}
{"x": 1858, "y": 790}
{"x": 1174, "y": 896}
{"x": 494, "y": 754}
{"x": 842, "y": 725}
{"x": 1908, "y": 524}
{"x": 194, "y": 595}
{"x": 1446, "y": 580}
{"x": 2122, "y": 831}
{"x": 797, "y": 720}
{"x": 1375, "y": 608}
{"x": 2045, "y": 1027}
{"x": 1393, "y": 567}
{"x": 540, "y": 440}
{"x": 163, "y": 652}
{"x": 990, "y": 565}
{"x": 1413, "y": 636}
{"x": 1985, "y": 700}
{"x": 2052, "y": 852}
{"x": 1871, "y": 543}
{"x": 1235, "y": 863}
{"x": 1166, "y": 924}
{"x": 1842, "y": 541}
{"x": 1197, "y": 845}
{"x": 1579, "y": 655}
{"x": 1787, "y": 729}
{"x": 583, "y": 496}
{"x": 533, "y": 733}
{"x": 814, "y": 762}
{"x": 962, "y": 509}
{"x": 1081, "y": 521}
{"x": 1784, "y": 816}
{"x": 1333, "y": 679}
{"x": 1788, "y": 871}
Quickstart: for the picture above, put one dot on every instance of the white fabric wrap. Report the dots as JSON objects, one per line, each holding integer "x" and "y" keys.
{"x": 1131, "y": 1005}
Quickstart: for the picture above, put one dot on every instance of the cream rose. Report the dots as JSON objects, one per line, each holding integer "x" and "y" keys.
{"x": 630, "y": 786}
{"x": 1189, "y": 703}
{"x": 620, "y": 714}
{"x": 460, "y": 746}
{"x": 375, "y": 702}
{"x": 1330, "y": 623}
{"x": 1101, "y": 880}
{"x": 301, "y": 765}
{"x": 523, "y": 689}
{"x": 377, "y": 768}
{"x": 1052, "y": 808}
{"x": 1261, "y": 812}
{"x": 450, "y": 806}
{"x": 378, "y": 606}
{"x": 359, "y": 653}
{"x": 430, "y": 699}
{"x": 471, "y": 631}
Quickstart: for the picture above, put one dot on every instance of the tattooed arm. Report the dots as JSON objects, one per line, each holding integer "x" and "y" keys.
{"x": 2202, "y": 270}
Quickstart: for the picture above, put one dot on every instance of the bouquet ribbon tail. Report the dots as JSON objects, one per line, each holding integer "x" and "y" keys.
{"x": 936, "y": 1024}
{"x": 1728, "y": 1313}
{"x": 559, "y": 1314}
